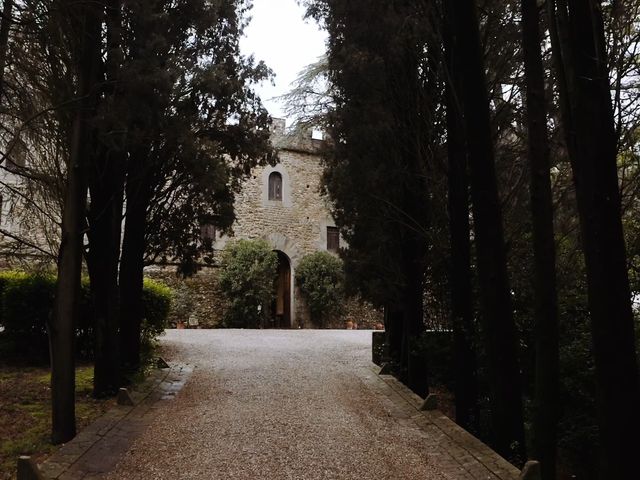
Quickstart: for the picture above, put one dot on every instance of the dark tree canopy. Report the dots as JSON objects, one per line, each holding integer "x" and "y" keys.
{"x": 392, "y": 70}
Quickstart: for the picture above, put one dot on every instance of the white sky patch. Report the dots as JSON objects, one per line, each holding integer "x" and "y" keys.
{"x": 280, "y": 37}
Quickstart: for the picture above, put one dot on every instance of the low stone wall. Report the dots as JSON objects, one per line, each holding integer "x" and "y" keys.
{"x": 208, "y": 301}
{"x": 210, "y": 304}
{"x": 362, "y": 314}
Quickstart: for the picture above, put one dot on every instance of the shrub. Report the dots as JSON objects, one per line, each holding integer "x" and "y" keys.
{"x": 435, "y": 347}
{"x": 5, "y": 279}
{"x": 246, "y": 280}
{"x": 183, "y": 303}
{"x": 320, "y": 277}
{"x": 27, "y": 301}
{"x": 84, "y": 328}
{"x": 26, "y": 304}
{"x": 156, "y": 304}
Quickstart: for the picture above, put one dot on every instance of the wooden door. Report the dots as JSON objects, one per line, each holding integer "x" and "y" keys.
{"x": 282, "y": 307}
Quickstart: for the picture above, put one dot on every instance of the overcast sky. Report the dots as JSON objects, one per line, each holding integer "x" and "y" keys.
{"x": 278, "y": 35}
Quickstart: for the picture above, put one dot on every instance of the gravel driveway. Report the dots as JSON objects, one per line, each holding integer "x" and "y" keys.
{"x": 276, "y": 405}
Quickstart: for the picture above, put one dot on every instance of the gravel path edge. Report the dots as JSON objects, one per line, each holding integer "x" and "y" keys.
{"x": 97, "y": 448}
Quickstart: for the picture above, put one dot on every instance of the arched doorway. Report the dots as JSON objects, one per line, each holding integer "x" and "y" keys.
{"x": 281, "y": 305}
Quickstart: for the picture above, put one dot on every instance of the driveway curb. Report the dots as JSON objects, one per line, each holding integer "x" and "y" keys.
{"x": 461, "y": 454}
{"x": 99, "y": 447}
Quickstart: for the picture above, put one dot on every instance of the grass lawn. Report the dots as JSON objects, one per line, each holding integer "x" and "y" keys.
{"x": 25, "y": 412}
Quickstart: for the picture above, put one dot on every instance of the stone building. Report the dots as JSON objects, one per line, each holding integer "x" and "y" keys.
{"x": 283, "y": 205}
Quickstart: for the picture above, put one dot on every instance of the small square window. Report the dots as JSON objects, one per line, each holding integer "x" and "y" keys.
{"x": 333, "y": 239}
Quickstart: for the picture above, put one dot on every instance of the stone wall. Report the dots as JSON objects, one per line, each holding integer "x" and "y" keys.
{"x": 209, "y": 302}
{"x": 362, "y": 314}
{"x": 297, "y": 224}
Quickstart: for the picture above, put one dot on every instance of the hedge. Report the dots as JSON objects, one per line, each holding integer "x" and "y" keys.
{"x": 248, "y": 268}
{"x": 320, "y": 276}
{"x": 26, "y": 303}
{"x": 156, "y": 305}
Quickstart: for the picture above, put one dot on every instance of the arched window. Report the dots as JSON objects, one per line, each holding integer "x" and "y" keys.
{"x": 275, "y": 186}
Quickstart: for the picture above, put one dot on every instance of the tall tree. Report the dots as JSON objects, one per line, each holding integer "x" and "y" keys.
{"x": 582, "y": 73}
{"x": 495, "y": 294}
{"x": 84, "y": 23}
{"x": 545, "y": 296}
{"x": 147, "y": 89}
{"x": 198, "y": 130}
{"x": 376, "y": 167}
{"x": 106, "y": 189}
{"x": 462, "y": 310}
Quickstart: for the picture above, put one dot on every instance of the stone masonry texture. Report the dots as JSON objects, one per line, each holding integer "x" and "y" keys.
{"x": 295, "y": 225}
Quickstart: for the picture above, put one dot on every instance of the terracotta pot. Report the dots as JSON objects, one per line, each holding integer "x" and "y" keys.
{"x": 180, "y": 325}
{"x": 349, "y": 325}
{"x": 379, "y": 326}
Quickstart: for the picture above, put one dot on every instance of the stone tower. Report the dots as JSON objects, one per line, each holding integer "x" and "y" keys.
{"x": 283, "y": 205}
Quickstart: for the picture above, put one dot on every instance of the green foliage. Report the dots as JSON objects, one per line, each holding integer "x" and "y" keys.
{"x": 183, "y": 303}
{"x": 373, "y": 173}
{"x": 182, "y": 93}
{"x": 84, "y": 329}
{"x": 156, "y": 304}
{"x": 246, "y": 280}
{"x": 7, "y": 278}
{"x": 27, "y": 301}
{"x": 437, "y": 347}
{"x": 320, "y": 277}
{"x": 26, "y": 304}
{"x": 25, "y": 423}
{"x": 578, "y": 430}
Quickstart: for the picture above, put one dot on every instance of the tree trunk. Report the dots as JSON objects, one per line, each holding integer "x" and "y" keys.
{"x": 466, "y": 386}
{"x": 592, "y": 146}
{"x": 413, "y": 319}
{"x": 5, "y": 27}
{"x": 495, "y": 294}
{"x": 61, "y": 328}
{"x": 405, "y": 99}
{"x": 462, "y": 318}
{"x": 545, "y": 297}
{"x": 393, "y": 324}
{"x": 106, "y": 184}
{"x": 132, "y": 262}
{"x": 105, "y": 216}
